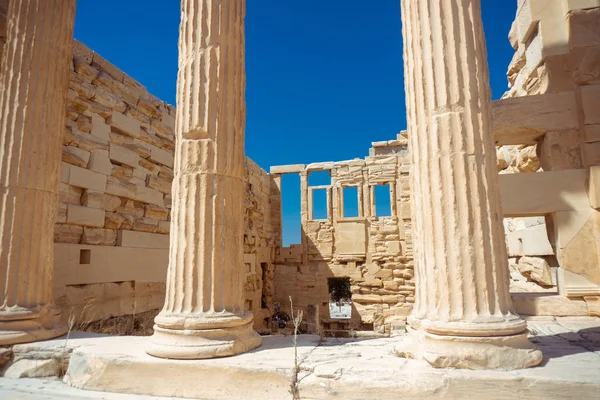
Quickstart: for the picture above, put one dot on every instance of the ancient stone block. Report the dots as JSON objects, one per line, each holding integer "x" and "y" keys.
{"x": 85, "y": 216}
{"x": 96, "y": 236}
{"x": 161, "y": 156}
{"x": 118, "y": 221}
{"x": 161, "y": 184}
{"x": 123, "y": 155}
{"x": 590, "y": 98}
{"x": 75, "y": 156}
{"x": 100, "y": 200}
{"x": 561, "y": 150}
{"x": 87, "y": 179}
{"x": 585, "y": 28}
{"x": 125, "y": 124}
{"x": 145, "y": 225}
{"x": 143, "y": 240}
{"x": 102, "y": 64}
{"x": 83, "y": 68}
{"x": 109, "y": 100}
{"x": 120, "y": 188}
{"x": 156, "y": 213}
{"x": 149, "y": 195}
{"x": 536, "y": 269}
{"x": 100, "y": 162}
{"x": 67, "y": 233}
{"x": 592, "y": 133}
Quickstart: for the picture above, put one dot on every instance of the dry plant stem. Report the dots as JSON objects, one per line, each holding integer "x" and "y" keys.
{"x": 296, "y": 319}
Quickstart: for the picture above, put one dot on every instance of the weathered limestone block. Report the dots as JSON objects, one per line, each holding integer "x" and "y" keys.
{"x": 584, "y": 28}
{"x": 100, "y": 162}
{"x": 118, "y": 221}
{"x": 161, "y": 156}
{"x": 67, "y": 233}
{"x": 145, "y": 225}
{"x": 86, "y": 179}
{"x": 156, "y": 213}
{"x": 149, "y": 195}
{"x": 122, "y": 155}
{"x": 463, "y": 315}
{"x": 100, "y": 200}
{"x": 84, "y": 141}
{"x": 85, "y": 216}
{"x": 34, "y": 78}
{"x": 103, "y": 64}
{"x": 527, "y": 160}
{"x": 536, "y": 269}
{"x": 111, "y": 101}
{"x": 590, "y": 98}
{"x": 84, "y": 69}
{"x": 161, "y": 184}
{"x": 75, "y": 156}
{"x": 561, "y": 150}
{"x": 120, "y": 188}
{"x": 96, "y": 236}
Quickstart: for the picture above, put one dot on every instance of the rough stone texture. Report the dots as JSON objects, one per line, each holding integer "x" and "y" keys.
{"x": 374, "y": 252}
{"x": 555, "y": 74}
{"x": 39, "y": 40}
{"x": 116, "y": 177}
{"x": 336, "y": 368}
{"x": 463, "y": 314}
{"x": 536, "y": 269}
{"x": 204, "y": 315}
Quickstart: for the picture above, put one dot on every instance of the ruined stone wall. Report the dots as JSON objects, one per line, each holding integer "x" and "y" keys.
{"x": 375, "y": 253}
{"x": 112, "y": 231}
{"x": 262, "y": 237}
{"x": 557, "y": 51}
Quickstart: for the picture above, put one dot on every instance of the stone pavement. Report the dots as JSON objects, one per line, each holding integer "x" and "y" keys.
{"x": 329, "y": 369}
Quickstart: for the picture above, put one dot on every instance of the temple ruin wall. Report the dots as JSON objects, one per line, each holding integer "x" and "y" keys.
{"x": 557, "y": 53}
{"x": 374, "y": 252}
{"x": 112, "y": 232}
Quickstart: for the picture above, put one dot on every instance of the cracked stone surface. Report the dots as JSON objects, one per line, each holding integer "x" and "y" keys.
{"x": 328, "y": 369}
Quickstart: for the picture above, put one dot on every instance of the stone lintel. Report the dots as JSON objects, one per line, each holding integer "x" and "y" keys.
{"x": 287, "y": 169}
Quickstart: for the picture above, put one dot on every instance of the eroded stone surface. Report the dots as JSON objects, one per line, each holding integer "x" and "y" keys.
{"x": 344, "y": 368}
{"x": 33, "y": 86}
{"x": 204, "y": 315}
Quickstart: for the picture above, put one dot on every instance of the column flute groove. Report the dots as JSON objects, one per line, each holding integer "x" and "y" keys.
{"x": 463, "y": 315}
{"x": 203, "y": 315}
{"x": 34, "y": 77}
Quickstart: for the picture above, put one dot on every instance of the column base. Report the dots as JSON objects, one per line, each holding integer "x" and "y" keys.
{"x": 29, "y": 326}
{"x": 194, "y": 344}
{"x": 472, "y": 352}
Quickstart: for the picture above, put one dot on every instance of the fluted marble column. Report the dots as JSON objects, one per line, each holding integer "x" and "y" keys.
{"x": 34, "y": 81}
{"x": 463, "y": 315}
{"x": 203, "y": 315}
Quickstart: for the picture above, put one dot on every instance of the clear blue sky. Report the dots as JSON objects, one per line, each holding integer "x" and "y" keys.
{"x": 324, "y": 77}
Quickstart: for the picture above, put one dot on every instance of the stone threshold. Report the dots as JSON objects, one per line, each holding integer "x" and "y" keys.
{"x": 349, "y": 369}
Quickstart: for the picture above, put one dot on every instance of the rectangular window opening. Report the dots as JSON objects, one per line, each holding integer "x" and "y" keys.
{"x": 350, "y": 199}
{"x": 382, "y": 200}
{"x": 319, "y": 204}
{"x": 85, "y": 257}
{"x": 319, "y": 178}
{"x": 290, "y": 209}
{"x": 340, "y": 298}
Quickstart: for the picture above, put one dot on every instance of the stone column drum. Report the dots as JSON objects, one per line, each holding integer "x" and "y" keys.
{"x": 203, "y": 315}
{"x": 463, "y": 315}
{"x": 34, "y": 78}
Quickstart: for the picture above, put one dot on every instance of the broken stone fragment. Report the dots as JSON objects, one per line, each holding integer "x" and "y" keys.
{"x": 536, "y": 269}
